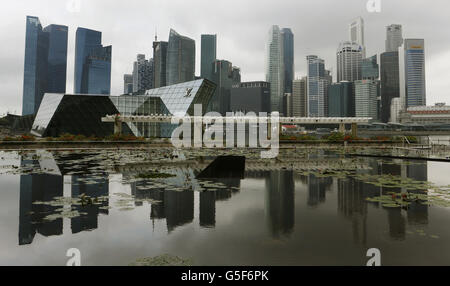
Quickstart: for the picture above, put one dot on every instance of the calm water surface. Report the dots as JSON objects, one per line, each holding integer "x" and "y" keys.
{"x": 272, "y": 216}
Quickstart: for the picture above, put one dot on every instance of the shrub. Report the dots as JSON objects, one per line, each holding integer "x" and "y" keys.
{"x": 26, "y": 138}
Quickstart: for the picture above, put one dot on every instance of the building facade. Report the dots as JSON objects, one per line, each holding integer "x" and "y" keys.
{"x": 127, "y": 83}
{"x": 275, "y": 68}
{"x": 288, "y": 58}
{"x": 45, "y": 64}
{"x": 159, "y": 63}
{"x": 349, "y": 58}
{"x": 317, "y": 87}
{"x": 180, "y": 59}
{"x": 341, "y": 100}
{"x": 250, "y": 97}
{"x": 414, "y": 72}
{"x": 143, "y": 74}
{"x": 390, "y": 82}
{"x": 370, "y": 68}
{"x": 366, "y": 92}
{"x": 356, "y": 34}
{"x": 300, "y": 97}
{"x": 208, "y": 55}
{"x": 236, "y": 75}
{"x": 223, "y": 78}
{"x": 394, "y": 37}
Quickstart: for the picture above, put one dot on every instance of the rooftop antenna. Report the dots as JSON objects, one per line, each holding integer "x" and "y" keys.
{"x": 156, "y": 34}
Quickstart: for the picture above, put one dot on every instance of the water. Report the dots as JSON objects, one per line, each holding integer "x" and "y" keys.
{"x": 273, "y": 216}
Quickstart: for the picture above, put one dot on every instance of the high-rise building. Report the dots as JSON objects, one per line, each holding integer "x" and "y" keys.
{"x": 300, "y": 97}
{"x": 127, "y": 83}
{"x": 250, "y": 97}
{"x": 366, "y": 92}
{"x": 142, "y": 74}
{"x": 356, "y": 34}
{"x": 341, "y": 101}
{"x": 414, "y": 85}
{"x": 394, "y": 37}
{"x": 390, "y": 82}
{"x": 45, "y": 65}
{"x": 349, "y": 57}
{"x": 236, "y": 75}
{"x": 317, "y": 87}
{"x": 369, "y": 68}
{"x": 275, "y": 68}
{"x": 208, "y": 55}
{"x": 92, "y": 63}
{"x": 222, "y": 77}
{"x": 288, "y": 58}
{"x": 159, "y": 63}
{"x": 180, "y": 59}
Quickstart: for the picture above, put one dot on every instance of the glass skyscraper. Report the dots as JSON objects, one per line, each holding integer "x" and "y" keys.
{"x": 349, "y": 57}
{"x": 341, "y": 101}
{"x": 143, "y": 74}
{"x": 390, "y": 82}
{"x": 369, "y": 68}
{"x": 45, "y": 63}
{"x": 222, "y": 76}
{"x": 394, "y": 37}
{"x": 159, "y": 63}
{"x": 209, "y": 55}
{"x": 180, "y": 59}
{"x": 288, "y": 58}
{"x": 414, "y": 69}
{"x": 317, "y": 87}
{"x": 275, "y": 68}
{"x": 92, "y": 63}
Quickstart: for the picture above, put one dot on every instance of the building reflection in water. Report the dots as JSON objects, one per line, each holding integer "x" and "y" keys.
{"x": 45, "y": 188}
{"x": 317, "y": 188}
{"x": 280, "y": 202}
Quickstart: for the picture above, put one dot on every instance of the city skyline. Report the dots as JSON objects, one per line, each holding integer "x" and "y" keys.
{"x": 241, "y": 48}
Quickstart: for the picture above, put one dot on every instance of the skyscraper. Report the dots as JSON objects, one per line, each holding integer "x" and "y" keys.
{"x": 208, "y": 55}
{"x": 159, "y": 63}
{"x": 369, "y": 68}
{"x": 275, "y": 68}
{"x": 414, "y": 72}
{"x": 317, "y": 87}
{"x": 180, "y": 59}
{"x": 222, "y": 77}
{"x": 236, "y": 75}
{"x": 45, "y": 63}
{"x": 92, "y": 63}
{"x": 390, "y": 82}
{"x": 127, "y": 83}
{"x": 366, "y": 92}
{"x": 356, "y": 34}
{"x": 394, "y": 37}
{"x": 341, "y": 100}
{"x": 288, "y": 58}
{"x": 300, "y": 97}
{"x": 349, "y": 57}
{"x": 142, "y": 74}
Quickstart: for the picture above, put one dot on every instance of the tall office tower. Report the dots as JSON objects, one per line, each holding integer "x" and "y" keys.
{"x": 299, "y": 97}
{"x": 288, "y": 58}
{"x": 127, "y": 83}
{"x": 390, "y": 82}
{"x": 96, "y": 77}
{"x": 369, "y": 68}
{"x": 412, "y": 69}
{"x": 236, "y": 75}
{"x": 208, "y": 55}
{"x": 349, "y": 57}
{"x": 341, "y": 100}
{"x": 275, "y": 68}
{"x": 317, "y": 87}
{"x": 45, "y": 65}
{"x": 366, "y": 92}
{"x": 222, "y": 77}
{"x": 142, "y": 74}
{"x": 180, "y": 59}
{"x": 287, "y": 104}
{"x": 356, "y": 33}
{"x": 159, "y": 63}
{"x": 394, "y": 37}
{"x": 92, "y": 63}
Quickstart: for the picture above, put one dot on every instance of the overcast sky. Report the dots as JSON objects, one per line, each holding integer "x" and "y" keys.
{"x": 241, "y": 26}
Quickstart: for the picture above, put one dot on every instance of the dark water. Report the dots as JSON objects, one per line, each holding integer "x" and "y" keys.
{"x": 270, "y": 217}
